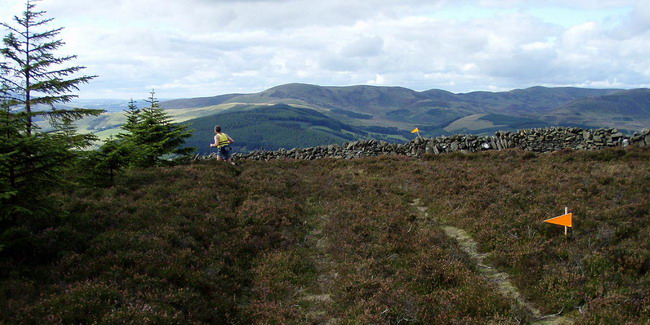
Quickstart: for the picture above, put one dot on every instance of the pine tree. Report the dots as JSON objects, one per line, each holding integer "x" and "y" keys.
{"x": 34, "y": 74}
{"x": 107, "y": 161}
{"x": 132, "y": 116}
{"x": 31, "y": 167}
{"x": 33, "y": 163}
{"x": 154, "y": 135}
{"x": 150, "y": 137}
{"x": 10, "y": 126}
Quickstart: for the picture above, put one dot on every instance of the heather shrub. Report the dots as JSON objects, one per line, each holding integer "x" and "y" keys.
{"x": 629, "y": 308}
{"x": 315, "y": 241}
{"x": 83, "y": 302}
{"x": 604, "y": 155}
{"x": 401, "y": 265}
{"x": 277, "y": 277}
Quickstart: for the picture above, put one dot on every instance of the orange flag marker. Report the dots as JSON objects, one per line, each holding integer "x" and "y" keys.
{"x": 416, "y": 130}
{"x": 563, "y": 220}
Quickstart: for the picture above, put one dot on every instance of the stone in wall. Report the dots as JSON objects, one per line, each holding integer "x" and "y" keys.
{"x": 641, "y": 139}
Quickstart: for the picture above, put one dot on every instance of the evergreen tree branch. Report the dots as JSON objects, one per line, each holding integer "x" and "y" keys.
{"x": 47, "y": 34}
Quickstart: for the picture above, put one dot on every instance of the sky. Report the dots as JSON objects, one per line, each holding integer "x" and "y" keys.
{"x": 198, "y": 48}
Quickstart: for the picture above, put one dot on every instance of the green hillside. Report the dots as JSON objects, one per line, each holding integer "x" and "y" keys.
{"x": 274, "y": 127}
{"x": 364, "y": 105}
{"x": 367, "y": 99}
{"x": 197, "y": 102}
{"x": 630, "y": 107}
{"x": 381, "y": 101}
{"x": 490, "y": 123}
{"x": 529, "y": 101}
{"x": 364, "y": 241}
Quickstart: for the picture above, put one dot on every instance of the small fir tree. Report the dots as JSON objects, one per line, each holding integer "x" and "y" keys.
{"x": 154, "y": 135}
{"x": 107, "y": 161}
{"x": 150, "y": 136}
{"x": 132, "y": 114}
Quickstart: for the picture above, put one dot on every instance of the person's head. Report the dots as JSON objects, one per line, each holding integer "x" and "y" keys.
{"x": 217, "y": 129}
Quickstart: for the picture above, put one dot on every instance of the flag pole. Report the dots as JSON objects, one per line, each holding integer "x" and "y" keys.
{"x": 566, "y": 229}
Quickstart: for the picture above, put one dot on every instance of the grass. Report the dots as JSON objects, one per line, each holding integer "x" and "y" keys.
{"x": 294, "y": 242}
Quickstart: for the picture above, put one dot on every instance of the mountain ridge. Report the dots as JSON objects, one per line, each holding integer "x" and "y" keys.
{"x": 436, "y": 109}
{"x": 366, "y": 96}
{"x": 389, "y": 113}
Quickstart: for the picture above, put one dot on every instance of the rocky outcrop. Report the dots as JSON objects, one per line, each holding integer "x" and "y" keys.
{"x": 536, "y": 140}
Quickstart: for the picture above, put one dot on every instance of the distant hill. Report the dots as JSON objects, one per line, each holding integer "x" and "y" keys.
{"x": 492, "y": 123}
{"x": 374, "y": 99}
{"x": 532, "y": 100}
{"x": 432, "y": 110}
{"x": 363, "y": 99}
{"x": 389, "y": 113}
{"x": 280, "y": 126}
{"x": 197, "y": 102}
{"x": 628, "y": 109}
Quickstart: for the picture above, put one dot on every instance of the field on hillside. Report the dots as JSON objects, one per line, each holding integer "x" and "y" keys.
{"x": 341, "y": 241}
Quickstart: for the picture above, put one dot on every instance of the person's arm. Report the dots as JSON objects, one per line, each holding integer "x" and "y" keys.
{"x": 230, "y": 139}
{"x": 215, "y": 142}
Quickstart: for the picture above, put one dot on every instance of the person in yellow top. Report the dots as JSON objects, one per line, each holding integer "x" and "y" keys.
{"x": 222, "y": 142}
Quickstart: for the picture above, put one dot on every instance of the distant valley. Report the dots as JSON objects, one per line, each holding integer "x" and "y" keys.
{"x": 299, "y": 115}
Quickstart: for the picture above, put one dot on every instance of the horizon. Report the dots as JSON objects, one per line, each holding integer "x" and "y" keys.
{"x": 379, "y": 86}
{"x": 201, "y": 48}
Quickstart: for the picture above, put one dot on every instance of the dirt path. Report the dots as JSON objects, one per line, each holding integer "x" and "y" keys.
{"x": 501, "y": 279}
{"x": 316, "y": 300}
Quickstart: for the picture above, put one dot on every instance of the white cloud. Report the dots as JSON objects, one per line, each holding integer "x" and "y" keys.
{"x": 205, "y": 47}
{"x": 364, "y": 47}
{"x": 378, "y": 81}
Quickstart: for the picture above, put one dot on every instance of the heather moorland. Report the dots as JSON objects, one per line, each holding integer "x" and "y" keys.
{"x": 341, "y": 241}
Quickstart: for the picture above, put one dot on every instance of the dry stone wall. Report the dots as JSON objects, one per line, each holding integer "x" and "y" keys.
{"x": 536, "y": 140}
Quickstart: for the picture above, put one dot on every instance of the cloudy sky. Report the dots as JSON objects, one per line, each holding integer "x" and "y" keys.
{"x": 191, "y": 48}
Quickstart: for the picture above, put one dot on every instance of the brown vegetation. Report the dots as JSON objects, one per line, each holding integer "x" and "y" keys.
{"x": 338, "y": 241}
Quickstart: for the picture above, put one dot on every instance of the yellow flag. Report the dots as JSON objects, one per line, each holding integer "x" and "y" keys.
{"x": 416, "y": 130}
